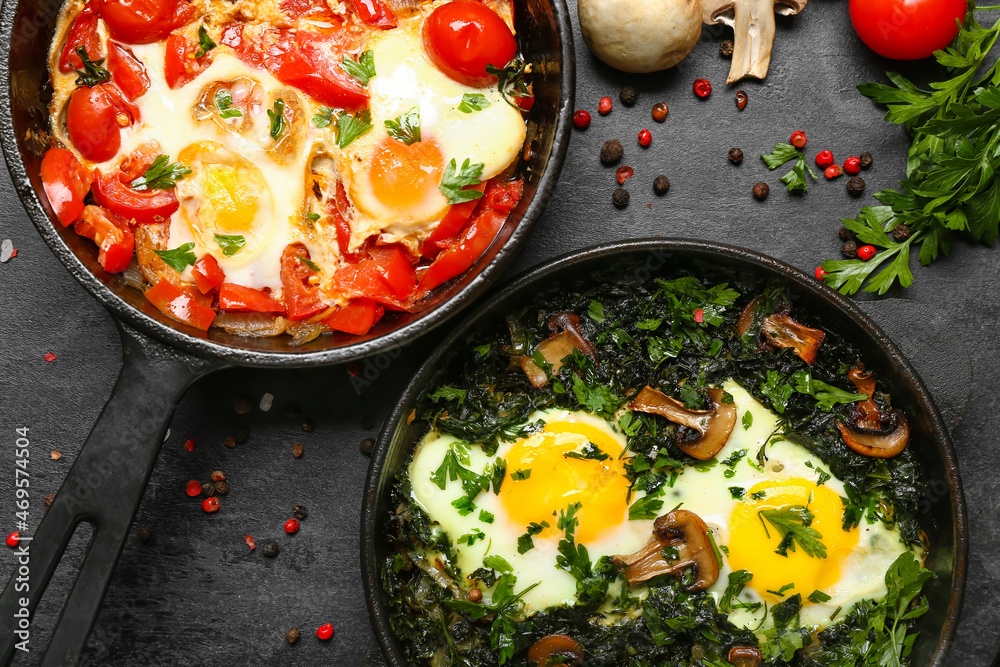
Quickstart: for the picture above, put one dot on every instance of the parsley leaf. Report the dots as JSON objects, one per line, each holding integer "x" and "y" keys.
{"x": 776, "y": 390}
{"x": 737, "y": 582}
{"x": 510, "y": 81}
{"x": 486, "y": 517}
{"x": 498, "y": 563}
{"x": 647, "y": 507}
{"x": 160, "y": 175}
{"x": 524, "y": 542}
{"x": 448, "y": 394}
{"x": 796, "y": 178}
{"x": 792, "y": 524}
{"x": 520, "y": 475}
{"x": 452, "y": 468}
{"x": 826, "y": 395}
{"x": 224, "y": 103}
{"x": 361, "y": 69}
{"x": 277, "y": 116}
{"x": 205, "y": 43}
{"x": 455, "y": 179}
{"x": 598, "y": 399}
{"x": 589, "y": 451}
{"x": 405, "y": 128}
{"x": 747, "y": 420}
{"x": 596, "y": 311}
{"x": 230, "y": 243}
{"x": 308, "y": 262}
{"x": 179, "y": 257}
{"x": 351, "y": 127}
{"x": 781, "y": 154}
{"x": 464, "y": 505}
{"x": 323, "y": 117}
{"x": 472, "y": 102}
{"x": 818, "y": 597}
{"x": 92, "y": 73}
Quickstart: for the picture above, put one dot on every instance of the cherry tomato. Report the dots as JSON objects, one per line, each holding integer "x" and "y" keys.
{"x": 109, "y": 232}
{"x": 83, "y": 33}
{"x": 142, "y": 207}
{"x": 238, "y": 297}
{"x": 207, "y": 274}
{"x": 127, "y": 71}
{"x": 180, "y": 66}
{"x": 301, "y": 297}
{"x": 66, "y": 183}
{"x": 93, "y": 123}
{"x": 376, "y": 13}
{"x": 144, "y": 21}
{"x": 463, "y": 37}
{"x": 907, "y": 29}
{"x": 356, "y": 318}
{"x": 180, "y": 304}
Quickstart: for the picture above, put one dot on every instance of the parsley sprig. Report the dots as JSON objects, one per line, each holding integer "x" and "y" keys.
{"x": 406, "y": 127}
{"x": 951, "y": 190}
{"x": 351, "y": 127}
{"x": 456, "y": 178}
{"x": 92, "y": 72}
{"x": 796, "y": 178}
{"x": 793, "y": 526}
{"x": 161, "y": 175}
{"x": 453, "y": 467}
{"x": 179, "y": 257}
{"x": 362, "y": 69}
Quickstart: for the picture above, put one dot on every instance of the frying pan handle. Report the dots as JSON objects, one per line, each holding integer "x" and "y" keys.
{"x": 104, "y": 488}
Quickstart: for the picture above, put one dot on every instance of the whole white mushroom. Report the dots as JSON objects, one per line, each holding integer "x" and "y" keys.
{"x": 639, "y": 36}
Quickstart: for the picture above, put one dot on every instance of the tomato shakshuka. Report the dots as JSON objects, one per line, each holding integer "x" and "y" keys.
{"x": 286, "y": 166}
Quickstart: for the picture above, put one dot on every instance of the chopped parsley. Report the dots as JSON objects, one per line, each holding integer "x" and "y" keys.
{"x": 179, "y": 257}
{"x": 351, "y": 127}
{"x": 793, "y": 526}
{"x": 205, "y": 43}
{"x": 818, "y": 597}
{"x": 464, "y": 505}
{"x": 524, "y": 542}
{"x": 486, "y": 517}
{"x": 308, "y": 262}
{"x": 160, "y": 175}
{"x": 472, "y": 102}
{"x": 230, "y": 243}
{"x": 747, "y": 420}
{"x": 224, "y": 103}
{"x": 510, "y": 80}
{"x": 520, "y": 475}
{"x": 505, "y": 607}
{"x": 590, "y": 451}
{"x": 323, "y": 117}
{"x": 405, "y": 128}
{"x": 453, "y": 467}
{"x": 361, "y": 69}
{"x": 645, "y": 508}
{"x": 455, "y": 179}
{"x": 277, "y": 116}
{"x": 92, "y": 72}
{"x": 596, "y": 311}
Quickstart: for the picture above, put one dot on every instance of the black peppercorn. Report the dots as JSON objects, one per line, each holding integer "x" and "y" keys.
{"x": 144, "y": 533}
{"x": 901, "y": 232}
{"x": 661, "y": 184}
{"x": 242, "y": 404}
{"x": 849, "y": 249}
{"x": 620, "y": 197}
{"x": 628, "y": 95}
{"x": 760, "y": 191}
{"x": 735, "y": 155}
{"x": 367, "y": 445}
{"x": 300, "y": 512}
{"x": 845, "y": 234}
{"x": 208, "y": 488}
{"x": 866, "y": 159}
{"x": 269, "y": 548}
{"x": 221, "y": 487}
{"x": 293, "y": 635}
{"x": 726, "y": 48}
{"x": 856, "y": 186}
{"x": 611, "y": 152}
{"x": 367, "y": 422}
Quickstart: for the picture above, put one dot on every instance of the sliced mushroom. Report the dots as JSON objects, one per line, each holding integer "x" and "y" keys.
{"x": 712, "y": 426}
{"x": 566, "y": 337}
{"x": 748, "y": 316}
{"x": 780, "y": 330}
{"x": 871, "y": 432}
{"x": 744, "y": 656}
{"x": 688, "y": 534}
{"x": 753, "y": 26}
{"x": 553, "y": 646}
{"x": 867, "y": 414}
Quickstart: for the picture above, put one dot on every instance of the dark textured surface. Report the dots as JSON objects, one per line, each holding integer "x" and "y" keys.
{"x": 196, "y": 595}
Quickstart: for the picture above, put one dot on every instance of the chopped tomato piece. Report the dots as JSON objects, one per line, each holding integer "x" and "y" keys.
{"x": 357, "y": 317}
{"x": 83, "y": 33}
{"x": 452, "y": 223}
{"x": 238, "y": 297}
{"x": 127, "y": 71}
{"x": 180, "y": 304}
{"x": 496, "y": 204}
{"x": 341, "y": 214}
{"x": 367, "y": 279}
{"x": 139, "y": 206}
{"x": 375, "y": 13}
{"x": 314, "y": 9}
{"x": 399, "y": 272}
{"x": 207, "y": 274}
{"x": 109, "y": 232}
{"x": 301, "y": 297}
{"x": 145, "y": 21}
{"x": 180, "y": 66}
{"x": 66, "y": 183}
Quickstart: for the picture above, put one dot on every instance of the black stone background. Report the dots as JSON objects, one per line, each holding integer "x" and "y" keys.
{"x": 196, "y": 595}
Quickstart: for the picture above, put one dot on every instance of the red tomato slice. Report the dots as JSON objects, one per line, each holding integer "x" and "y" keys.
{"x": 341, "y": 214}
{"x": 306, "y": 60}
{"x": 83, "y": 33}
{"x": 66, "y": 183}
{"x": 145, "y": 21}
{"x": 301, "y": 298}
{"x": 238, "y": 297}
{"x": 207, "y": 274}
{"x": 376, "y": 13}
{"x": 128, "y": 73}
{"x": 365, "y": 279}
{"x": 399, "y": 272}
{"x": 180, "y": 304}
{"x": 499, "y": 200}
{"x": 109, "y": 232}
{"x": 142, "y": 207}
{"x": 452, "y": 223}
{"x": 357, "y": 317}
{"x": 93, "y": 124}
{"x": 179, "y": 63}
{"x": 463, "y": 37}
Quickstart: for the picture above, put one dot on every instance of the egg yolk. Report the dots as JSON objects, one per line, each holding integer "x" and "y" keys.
{"x": 754, "y": 540}
{"x": 556, "y": 481}
{"x": 226, "y": 189}
{"x": 230, "y": 196}
{"x": 404, "y": 176}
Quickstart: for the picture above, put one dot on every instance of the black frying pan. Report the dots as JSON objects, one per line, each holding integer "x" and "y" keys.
{"x": 943, "y": 508}
{"x": 162, "y": 357}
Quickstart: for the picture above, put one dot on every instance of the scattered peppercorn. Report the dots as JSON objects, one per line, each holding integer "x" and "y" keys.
{"x": 367, "y": 422}
{"x": 241, "y": 433}
{"x": 475, "y": 595}
{"x": 300, "y": 512}
{"x": 660, "y": 111}
{"x": 760, "y": 191}
{"x": 735, "y": 155}
{"x": 661, "y": 184}
{"x": 293, "y": 635}
{"x": 726, "y": 48}
{"x": 849, "y": 249}
{"x": 645, "y": 138}
{"x": 620, "y": 197}
{"x": 189, "y": 445}
{"x": 194, "y": 488}
{"x": 297, "y": 450}
{"x": 210, "y": 504}
{"x": 49, "y": 499}
{"x": 798, "y": 139}
{"x": 604, "y": 106}
{"x": 367, "y": 446}
{"x": 833, "y": 171}
{"x": 820, "y": 273}
{"x": 845, "y": 234}
{"x": 222, "y": 487}
{"x": 629, "y": 96}
{"x": 324, "y": 631}
{"x": 581, "y": 119}
{"x": 269, "y": 549}
{"x": 144, "y": 533}
{"x": 856, "y": 186}
{"x": 866, "y": 252}
{"x": 250, "y": 542}
{"x": 901, "y": 232}
{"x": 208, "y": 488}
{"x": 230, "y": 442}
{"x": 741, "y": 99}
{"x": 307, "y": 426}
{"x": 852, "y": 165}
{"x": 292, "y": 526}
{"x": 824, "y": 159}
{"x": 611, "y": 152}
{"x": 702, "y": 88}
{"x": 865, "y": 159}
{"x": 242, "y": 404}
{"x": 218, "y": 476}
